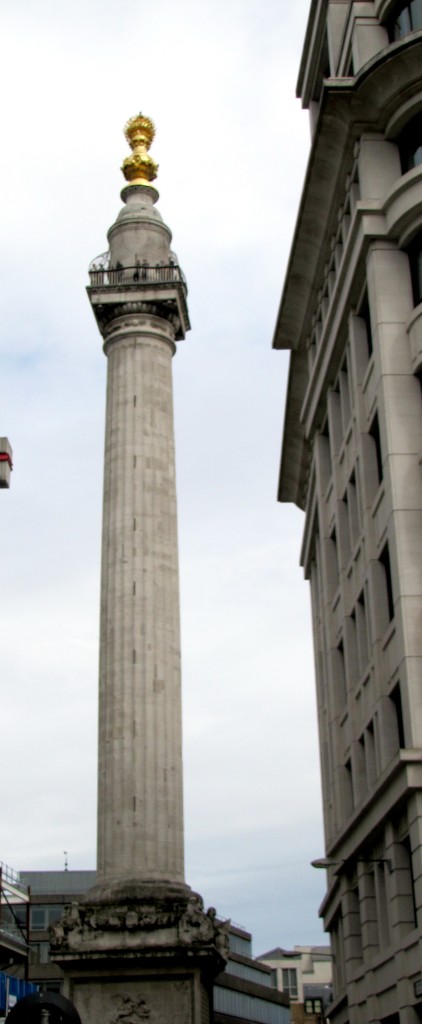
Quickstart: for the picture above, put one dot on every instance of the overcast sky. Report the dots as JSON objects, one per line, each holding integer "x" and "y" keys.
{"x": 218, "y": 77}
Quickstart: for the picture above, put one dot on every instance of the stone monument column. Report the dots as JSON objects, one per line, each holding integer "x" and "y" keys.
{"x": 141, "y": 311}
{"x": 140, "y": 946}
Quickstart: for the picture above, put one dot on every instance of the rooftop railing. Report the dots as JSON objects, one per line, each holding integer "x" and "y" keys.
{"x": 101, "y": 277}
{"x": 14, "y": 907}
{"x": 10, "y": 879}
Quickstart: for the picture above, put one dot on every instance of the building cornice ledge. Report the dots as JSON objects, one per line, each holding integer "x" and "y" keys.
{"x": 349, "y": 107}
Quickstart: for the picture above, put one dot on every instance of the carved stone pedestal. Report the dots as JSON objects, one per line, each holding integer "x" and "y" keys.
{"x": 140, "y": 953}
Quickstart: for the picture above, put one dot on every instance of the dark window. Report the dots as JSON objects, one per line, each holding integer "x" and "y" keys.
{"x": 415, "y": 258}
{"x": 385, "y": 562}
{"x": 407, "y": 18}
{"x": 407, "y": 850}
{"x": 361, "y": 633}
{"x": 395, "y": 696}
{"x": 333, "y": 571}
{"x": 38, "y": 919}
{"x": 370, "y": 755}
{"x": 374, "y": 432}
{"x": 348, "y": 794}
{"x": 341, "y": 677}
{"x": 365, "y": 314}
{"x": 410, "y": 144}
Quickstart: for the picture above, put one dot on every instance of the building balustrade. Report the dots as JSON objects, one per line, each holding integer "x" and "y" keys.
{"x": 141, "y": 273}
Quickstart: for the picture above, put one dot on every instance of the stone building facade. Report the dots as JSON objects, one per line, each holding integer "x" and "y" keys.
{"x": 351, "y": 313}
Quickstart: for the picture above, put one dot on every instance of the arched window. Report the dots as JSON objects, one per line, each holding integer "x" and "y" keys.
{"x": 406, "y": 18}
{"x": 410, "y": 144}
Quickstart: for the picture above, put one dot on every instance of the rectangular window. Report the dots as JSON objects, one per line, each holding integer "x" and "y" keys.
{"x": 332, "y": 563}
{"x": 353, "y": 511}
{"x": 334, "y": 421}
{"x": 362, "y": 633}
{"x": 348, "y": 802}
{"x": 290, "y": 982}
{"x": 344, "y": 387}
{"x": 415, "y": 259}
{"x": 341, "y": 677}
{"x": 374, "y": 432}
{"x": 343, "y": 524}
{"x": 408, "y": 864}
{"x": 370, "y": 755}
{"x": 385, "y": 562}
{"x": 410, "y": 144}
{"x": 366, "y": 316}
{"x": 406, "y": 20}
{"x": 325, "y": 455}
{"x": 42, "y": 916}
{"x": 395, "y": 697}
{"x": 38, "y": 919}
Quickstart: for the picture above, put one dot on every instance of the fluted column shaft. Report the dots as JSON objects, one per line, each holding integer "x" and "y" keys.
{"x": 140, "y": 799}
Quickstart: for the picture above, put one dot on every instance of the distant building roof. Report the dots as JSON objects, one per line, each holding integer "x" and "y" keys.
{"x": 55, "y": 882}
{"x": 279, "y": 954}
{"x": 283, "y": 954}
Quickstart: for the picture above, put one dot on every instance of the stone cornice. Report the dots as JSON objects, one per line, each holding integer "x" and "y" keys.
{"x": 157, "y": 925}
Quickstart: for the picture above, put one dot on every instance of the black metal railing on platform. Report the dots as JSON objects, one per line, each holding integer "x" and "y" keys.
{"x": 139, "y": 274}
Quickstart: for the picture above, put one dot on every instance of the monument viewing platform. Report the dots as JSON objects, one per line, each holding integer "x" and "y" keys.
{"x": 101, "y": 274}
{"x": 114, "y": 283}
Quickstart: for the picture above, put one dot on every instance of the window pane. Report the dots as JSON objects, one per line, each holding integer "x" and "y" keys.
{"x": 410, "y": 144}
{"x": 417, "y": 156}
{"x": 415, "y": 257}
{"x": 42, "y": 917}
{"x": 54, "y": 913}
{"x": 403, "y": 24}
{"x": 290, "y": 982}
{"x": 416, "y": 13}
{"x": 407, "y": 18}
{"x": 38, "y": 918}
{"x": 399, "y": 25}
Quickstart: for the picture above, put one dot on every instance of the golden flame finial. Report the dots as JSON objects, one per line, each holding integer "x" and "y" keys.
{"x": 139, "y": 168}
